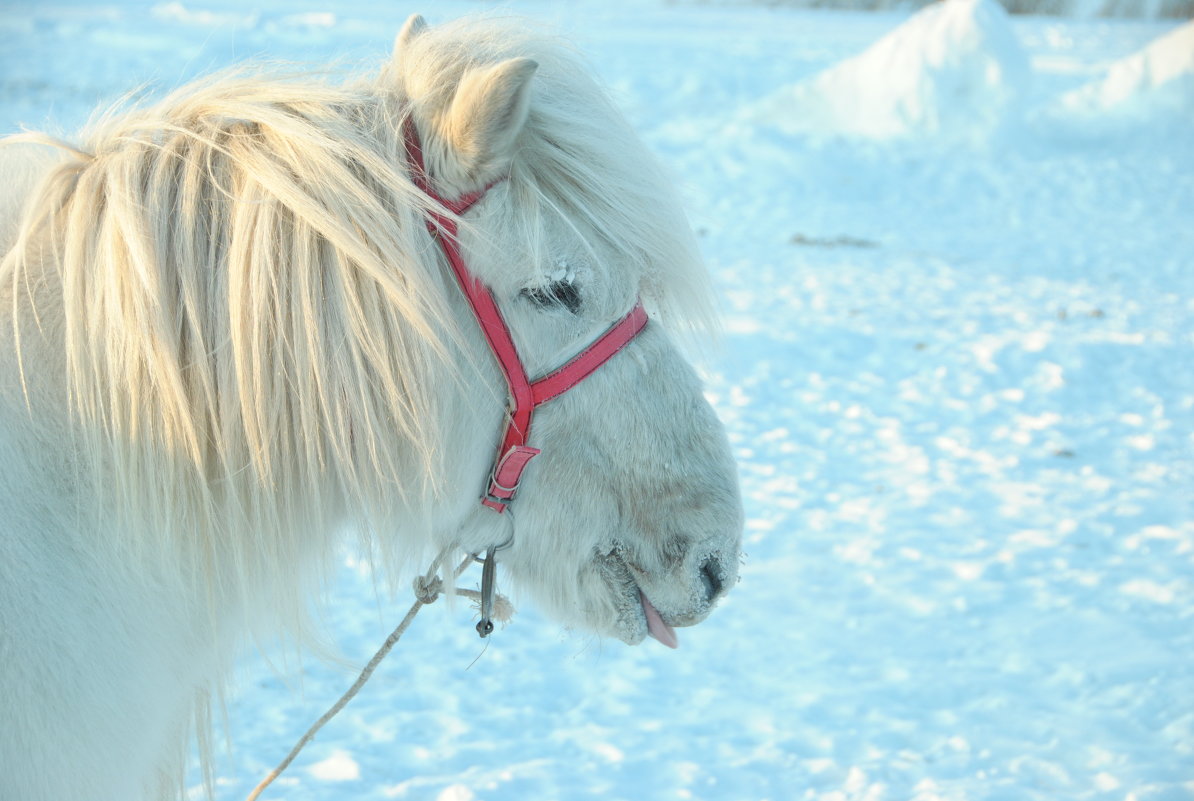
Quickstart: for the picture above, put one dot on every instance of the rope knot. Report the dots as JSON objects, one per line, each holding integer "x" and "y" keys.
{"x": 428, "y": 588}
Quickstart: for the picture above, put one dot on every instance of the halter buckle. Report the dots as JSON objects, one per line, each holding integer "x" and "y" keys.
{"x": 506, "y": 476}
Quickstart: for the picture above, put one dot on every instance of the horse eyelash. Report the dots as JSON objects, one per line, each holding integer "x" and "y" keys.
{"x": 557, "y": 293}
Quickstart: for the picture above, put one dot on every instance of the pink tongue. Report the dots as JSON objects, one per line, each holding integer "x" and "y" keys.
{"x": 656, "y": 627}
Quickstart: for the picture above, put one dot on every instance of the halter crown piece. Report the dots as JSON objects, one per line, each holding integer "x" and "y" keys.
{"x": 514, "y": 454}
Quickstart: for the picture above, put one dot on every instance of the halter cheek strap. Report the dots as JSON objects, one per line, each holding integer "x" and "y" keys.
{"x": 514, "y": 454}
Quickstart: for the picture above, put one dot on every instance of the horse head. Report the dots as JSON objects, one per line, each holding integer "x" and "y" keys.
{"x": 628, "y": 521}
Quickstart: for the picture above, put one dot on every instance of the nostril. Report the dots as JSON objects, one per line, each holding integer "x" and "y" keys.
{"x": 711, "y": 577}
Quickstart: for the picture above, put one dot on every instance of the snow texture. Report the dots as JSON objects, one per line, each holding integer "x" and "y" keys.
{"x": 959, "y": 381}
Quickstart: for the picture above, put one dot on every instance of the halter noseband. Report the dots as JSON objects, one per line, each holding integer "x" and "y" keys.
{"x": 525, "y": 395}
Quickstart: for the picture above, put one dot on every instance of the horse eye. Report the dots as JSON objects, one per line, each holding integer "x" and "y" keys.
{"x": 557, "y": 293}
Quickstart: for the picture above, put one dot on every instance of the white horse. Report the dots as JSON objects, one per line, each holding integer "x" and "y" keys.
{"x": 230, "y": 339}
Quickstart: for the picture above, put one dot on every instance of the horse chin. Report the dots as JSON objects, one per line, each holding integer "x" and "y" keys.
{"x": 636, "y": 617}
{"x": 622, "y": 614}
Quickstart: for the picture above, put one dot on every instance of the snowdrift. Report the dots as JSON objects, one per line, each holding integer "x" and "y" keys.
{"x": 1156, "y": 83}
{"x": 953, "y": 71}
{"x": 1081, "y": 9}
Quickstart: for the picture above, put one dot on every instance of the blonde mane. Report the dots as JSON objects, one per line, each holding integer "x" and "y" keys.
{"x": 249, "y": 324}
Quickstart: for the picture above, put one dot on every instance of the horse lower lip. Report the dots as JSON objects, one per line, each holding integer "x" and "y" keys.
{"x": 656, "y": 628}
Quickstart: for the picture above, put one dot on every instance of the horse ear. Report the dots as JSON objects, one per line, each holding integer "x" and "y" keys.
{"x": 487, "y": 114}
{"x": 414, "y": 26}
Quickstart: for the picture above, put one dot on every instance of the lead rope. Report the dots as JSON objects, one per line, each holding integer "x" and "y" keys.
{"x": 428, "y": 587}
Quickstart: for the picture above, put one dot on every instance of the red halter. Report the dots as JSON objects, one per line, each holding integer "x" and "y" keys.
{"x": 525, "y": 395}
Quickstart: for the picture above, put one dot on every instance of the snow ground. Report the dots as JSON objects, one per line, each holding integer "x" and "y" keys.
{"x": 958, "y": 376}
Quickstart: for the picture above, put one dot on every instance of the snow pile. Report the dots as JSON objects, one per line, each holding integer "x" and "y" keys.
{"x": 954, "y": 70}
{"x": 1154, "y": 83}
{"x": 1080, "y": 9}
